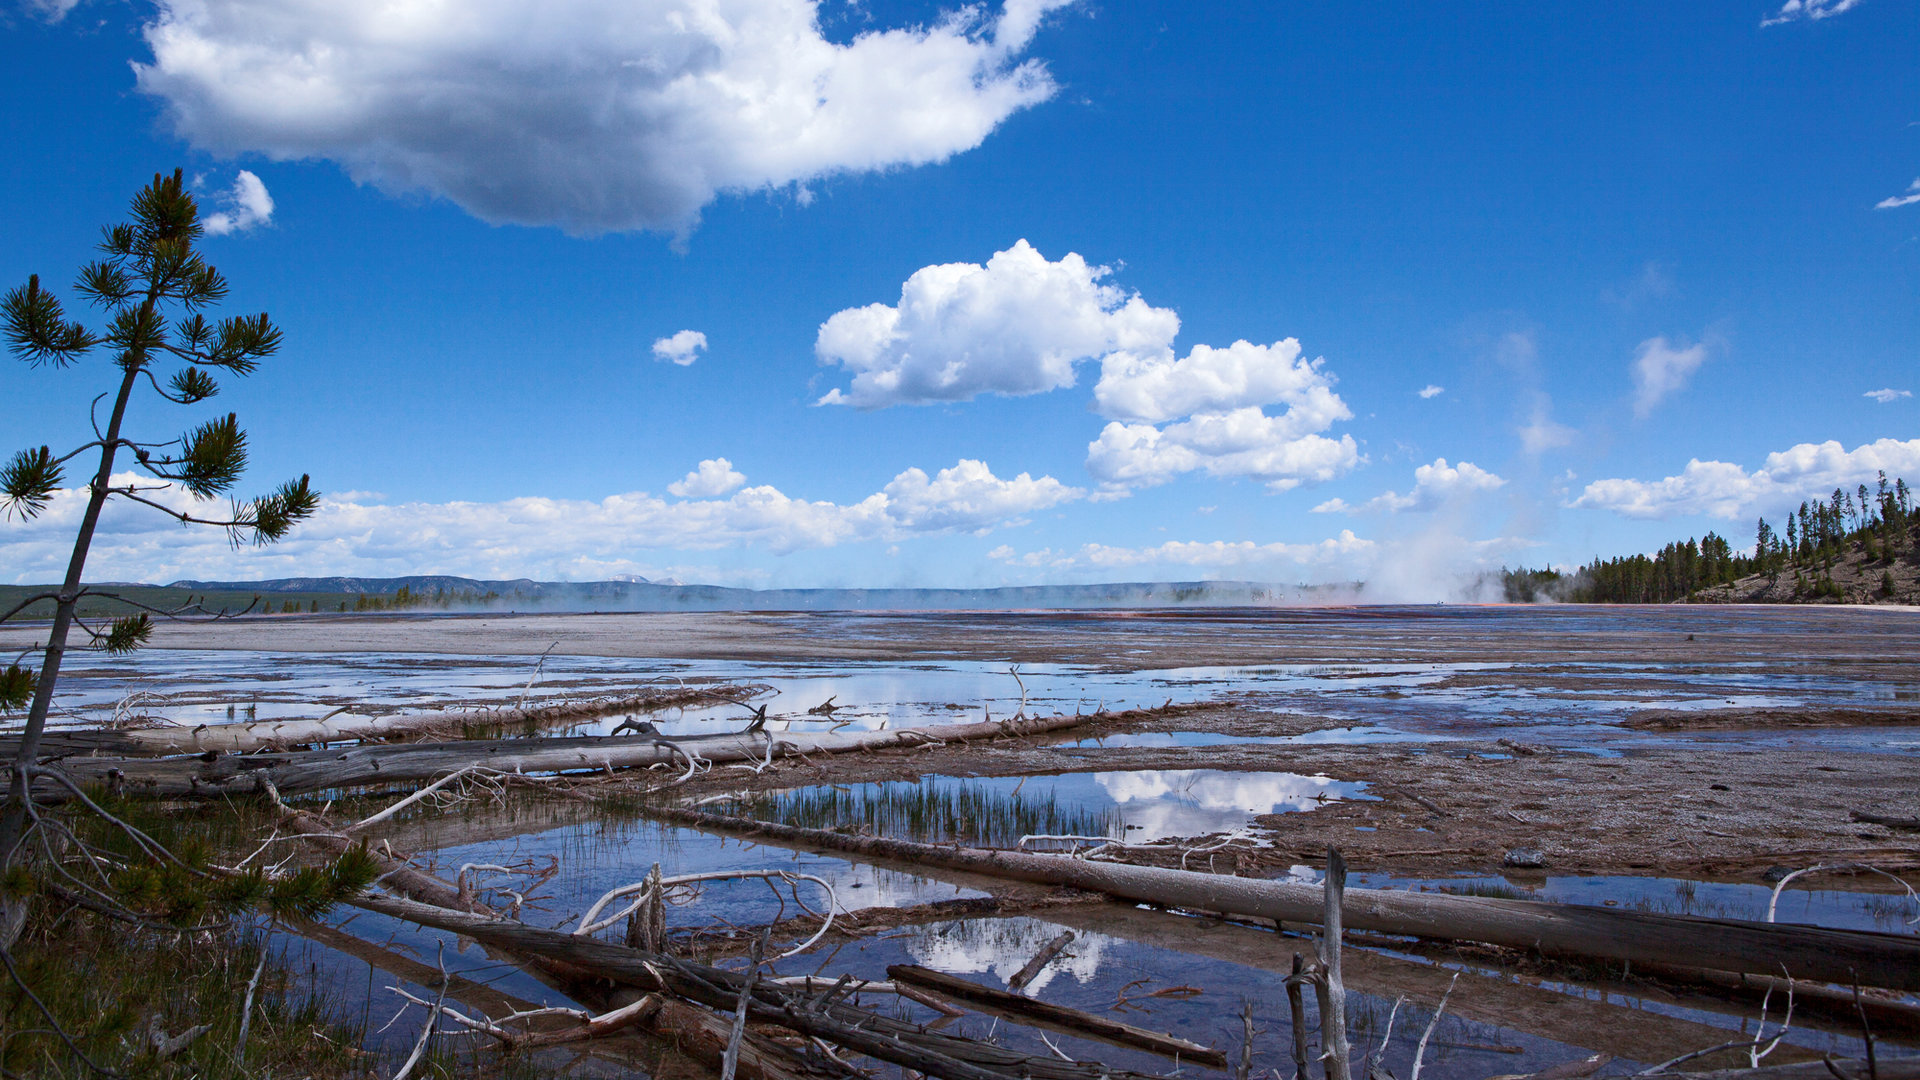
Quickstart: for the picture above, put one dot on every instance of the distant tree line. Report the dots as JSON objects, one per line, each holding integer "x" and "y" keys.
{"x": 1879, "y": 522}
{"x": 405, "y": 599}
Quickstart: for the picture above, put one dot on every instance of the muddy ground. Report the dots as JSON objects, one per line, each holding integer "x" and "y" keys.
{"x": 1683, "y": 812}
{"x": 1878, "y": 640}
{"x": 1665, "y": 802}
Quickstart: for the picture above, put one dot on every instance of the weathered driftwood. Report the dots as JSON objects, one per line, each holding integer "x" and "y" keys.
{"x": 1328, "y": 985}
{"x": 881, "y": 1037}
{"x": 1840, "y": 956}
{"x": 1907, "y": 823}
{"x": 406, "y": 763}
{"x": 339, "y": 726}
{"x": 1073, "y": 1021}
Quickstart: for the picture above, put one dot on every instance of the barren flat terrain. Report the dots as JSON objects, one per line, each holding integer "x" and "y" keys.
{"x": 1696, "y": 740}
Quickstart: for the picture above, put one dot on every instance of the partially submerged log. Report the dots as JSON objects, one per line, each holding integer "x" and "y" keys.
{"x": 1838, "y": 956}
{"x": 342, "y": 726}
{"x": 1040, "y": 960}
{"x": 1883, "y": 1069}
{"x": 1073, "y": 1021}
{"x": 884, "y": 1038}
{"x": 404, "y": 763}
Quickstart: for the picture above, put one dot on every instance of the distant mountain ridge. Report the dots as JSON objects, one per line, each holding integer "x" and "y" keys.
{"x": 425, "y": 591}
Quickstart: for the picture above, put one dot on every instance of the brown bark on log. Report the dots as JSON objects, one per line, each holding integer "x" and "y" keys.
{"x": 1072, "y": 1021}
{"x": 1839, "y": 956}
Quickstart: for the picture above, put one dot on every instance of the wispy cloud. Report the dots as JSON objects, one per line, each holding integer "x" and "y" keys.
{"x": 1430, "y": 391}
{"x": 51, "y": 10}
{"x": 1911, "y": 196}
{"x": 1795, "y": 10}
{"x": 1660, "y": 368}
{"x": 1887, "y": 395}
{"x": 1541, "y": 433}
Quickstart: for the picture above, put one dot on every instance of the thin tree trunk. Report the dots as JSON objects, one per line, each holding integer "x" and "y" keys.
{"x": 13, "y": 819}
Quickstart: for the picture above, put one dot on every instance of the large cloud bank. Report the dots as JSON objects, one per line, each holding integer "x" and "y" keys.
{"x": 533, "y": 536}
{"x": 1020, "y": 324}
{"x": 1725, "y": 490}
{"x": 592, "y": 115}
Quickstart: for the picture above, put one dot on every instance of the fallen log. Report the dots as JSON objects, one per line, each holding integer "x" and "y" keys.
{"x": 1024, "y": 1009}
{"x": 1805, "y": 952}
{"x": 339, "y": 726}
{"x": 884, "y": 1038}
{"x": 695, "y": 1032}
{"x": 1040, "y": 960}
{"x": 300, "y": 772}
{"x": 1884, "y": 1069}
{"x": 1907, "y": 823}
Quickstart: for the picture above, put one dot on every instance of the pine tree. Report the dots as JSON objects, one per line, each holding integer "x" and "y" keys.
{"x": 150, "y": 274}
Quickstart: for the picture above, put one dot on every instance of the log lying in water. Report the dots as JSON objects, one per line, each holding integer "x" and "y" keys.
{"x": 881, "y": 1037}
{"x": 242, "y": 738}
{"x": 1884, "y": 1069}
{"x": 1838, "y": 956}
{"x": 1072, "y": 1021}
{"x": 401, "y": 763}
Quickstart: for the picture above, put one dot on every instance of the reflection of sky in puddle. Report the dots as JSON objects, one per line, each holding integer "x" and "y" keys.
{"x": 1001, "y": 947}
{"x": 594, "y": 859}
{"x": 1143, "y": 805}
{"x": 1103, "y": 968}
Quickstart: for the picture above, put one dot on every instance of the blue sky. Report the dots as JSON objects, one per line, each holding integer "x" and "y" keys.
{"x": 1656, "y": 258}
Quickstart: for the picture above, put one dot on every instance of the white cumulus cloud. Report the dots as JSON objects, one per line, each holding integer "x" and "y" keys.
{"x": 1660, "y": 368}
{"x": 531, "y": 536}
{"x": 714, "y": 476}
{"x": 590, "y": 115}
{"x": 1154, "y": 387}
{"x": 682, "y": 348}
{"x": 968, "y": 498}
{"x": 1724, "y": 490}
{"x": 1021, "y": 323}
{"x": 245, "y": 205}
{"x": 1887, "y": 395}
{"x": 1430, "y": 391}
{"x": 1794, "y": 10}
{"x": 1281, "y": 451}
{"x": 1908, "y": 198}
{"x": 1433, "y": 485}
{"x": 1015, "y": 326}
